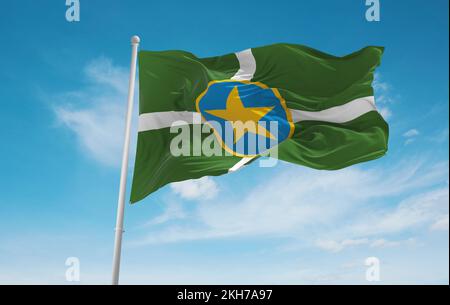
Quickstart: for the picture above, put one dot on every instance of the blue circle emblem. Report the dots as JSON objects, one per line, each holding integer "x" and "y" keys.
{"x": 248, "y": 118}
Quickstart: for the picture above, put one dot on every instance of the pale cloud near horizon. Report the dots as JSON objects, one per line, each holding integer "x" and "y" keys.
{"x": 383, "y": 243}
{"x": 96, "y": 112}
{"x": 348, "y": 207}
{"x": 337, "y": 246}
{"x": 441, "y": 224}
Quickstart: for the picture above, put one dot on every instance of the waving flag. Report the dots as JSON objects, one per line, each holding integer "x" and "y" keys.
{"x": 314, "y": 109}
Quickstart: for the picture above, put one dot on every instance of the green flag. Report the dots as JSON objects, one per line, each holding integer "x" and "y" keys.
{"x": 301, "y": 105}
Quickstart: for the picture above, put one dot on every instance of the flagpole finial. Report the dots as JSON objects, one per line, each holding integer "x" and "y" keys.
{"x": 135, "y": 39}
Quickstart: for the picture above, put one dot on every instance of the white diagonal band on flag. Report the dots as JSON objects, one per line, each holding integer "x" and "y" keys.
{"x": 240, "y": 163}
{"x": 247, "y": 65}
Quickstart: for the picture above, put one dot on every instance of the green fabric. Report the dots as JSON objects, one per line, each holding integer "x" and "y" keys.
{"x": 306, "y": 78}
{"x": 313, "y": 81}
{"x": 172, "y": 80}
{"x": 330, "y": 146}
{"x": 155, "y": 166}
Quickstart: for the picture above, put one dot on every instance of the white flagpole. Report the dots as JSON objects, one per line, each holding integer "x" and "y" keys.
{"x": 123, "y": 174}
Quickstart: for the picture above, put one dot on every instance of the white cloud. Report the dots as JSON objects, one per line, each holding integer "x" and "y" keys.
{"x": 331, "y": 210}
{"x": 96, "y": 113}
{"x": 203, "y": 188}
{"x": 411, "y": 133}
{"x": 174, "y": 210}
{"x": 383, "y": 243}
{"x": 103, "y": 72}
{"x": 409, "y": 141}
{"x": 337, "y": 246}
{"x": 383, "y": 90}
{"x": 383, "y": 95}
{"x": 385, "y": 112}
{"x": 411, "y": 136}
{"x": 441, "y": 224}
{"x": 415, "y": 211}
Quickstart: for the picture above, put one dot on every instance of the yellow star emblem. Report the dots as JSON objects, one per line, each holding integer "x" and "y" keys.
{"x": 236, "y": 112}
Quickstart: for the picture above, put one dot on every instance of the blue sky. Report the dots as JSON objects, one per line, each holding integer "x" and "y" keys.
{"x": 62, "y": 93}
